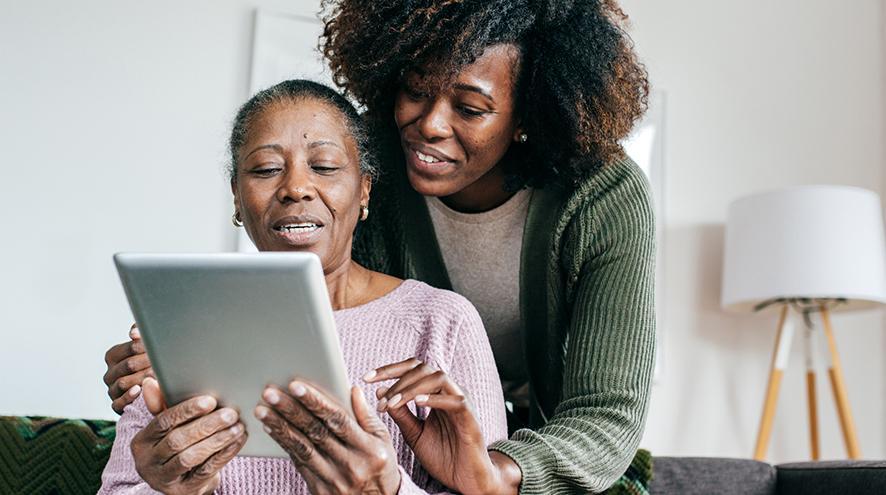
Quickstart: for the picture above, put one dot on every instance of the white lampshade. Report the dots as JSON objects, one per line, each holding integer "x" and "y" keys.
{"x": 805, "y": 242}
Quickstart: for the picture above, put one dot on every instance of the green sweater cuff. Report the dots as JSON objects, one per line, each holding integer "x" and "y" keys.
{"x": 535, "y": 462}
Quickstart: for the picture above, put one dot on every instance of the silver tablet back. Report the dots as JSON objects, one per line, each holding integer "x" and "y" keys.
{"x": 229, "y": 324}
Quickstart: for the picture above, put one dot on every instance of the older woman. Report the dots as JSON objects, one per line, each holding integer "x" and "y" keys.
{"x": 301, "y": 178}
{"x": 499, "y": 123}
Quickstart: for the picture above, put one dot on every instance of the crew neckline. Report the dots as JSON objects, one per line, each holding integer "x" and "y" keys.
{"x": 513, "y": 203}
{"x": 405, "y": 287}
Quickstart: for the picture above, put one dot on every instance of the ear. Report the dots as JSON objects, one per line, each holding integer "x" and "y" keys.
{"x": 235, "y": 192}
{"x": 365, "y": 188}
{"x": 517, "y": 132}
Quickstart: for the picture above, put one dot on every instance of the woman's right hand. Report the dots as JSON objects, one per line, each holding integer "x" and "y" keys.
{"x": 183, "y": 449}
{"x": 128, "y": 366}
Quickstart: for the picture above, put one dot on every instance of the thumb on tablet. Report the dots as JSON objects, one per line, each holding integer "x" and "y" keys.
{"x": 153, "y": 396}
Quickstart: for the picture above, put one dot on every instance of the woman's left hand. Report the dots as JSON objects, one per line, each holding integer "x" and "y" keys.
{"x": 449, "y": 442}
{"x": 335, "y": 453}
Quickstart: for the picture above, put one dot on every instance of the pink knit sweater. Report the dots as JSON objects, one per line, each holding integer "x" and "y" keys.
{"x": 438, "y": 327}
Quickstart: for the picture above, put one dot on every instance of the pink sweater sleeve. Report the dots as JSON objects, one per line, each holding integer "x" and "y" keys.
{"x": 120, "y": 476}
{"x": 473, "y": 369}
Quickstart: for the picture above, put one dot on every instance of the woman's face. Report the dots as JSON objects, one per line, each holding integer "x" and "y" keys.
{"x": 458, "y": 135}
{"x": 299, "y": 185}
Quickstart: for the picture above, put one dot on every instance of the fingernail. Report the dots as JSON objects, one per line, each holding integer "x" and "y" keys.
{"x": 370, "y": 375}
{"x": 267, "y": 430}
{"x": 135, "y": 334}
{"x": 272, "y": 396}
{"x": 236, "y": 429}
{"x": 421, "y": 398}
{"x": 135, "y": 390}
{"x": 228, "y": 415}
{"x": 381, "y": 405}
{"x": 297, "y": 389}
{"x": 261, "y": 412}
{"x": 394, "y": 400}
{"x": 204, "y": 402}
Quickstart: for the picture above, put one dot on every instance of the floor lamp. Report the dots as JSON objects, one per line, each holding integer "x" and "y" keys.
{"x": 808, "y": 251}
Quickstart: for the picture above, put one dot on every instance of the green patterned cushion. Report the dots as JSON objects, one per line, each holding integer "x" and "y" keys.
{"x": 42, "y": 456}
{"x": 636, "y": 479}
{"x": 53, "y": 455}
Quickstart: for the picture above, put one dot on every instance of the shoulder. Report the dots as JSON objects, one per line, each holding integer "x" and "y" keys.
{"x": 615, "y": 200}
{"x": 441, "y": 317}
{"x": 620, "y": 185}
{"x": 433, "y": 306}
{"x": 609, "y": 212}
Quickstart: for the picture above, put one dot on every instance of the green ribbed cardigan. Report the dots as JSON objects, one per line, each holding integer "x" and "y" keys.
{"x": 587, "y": 305}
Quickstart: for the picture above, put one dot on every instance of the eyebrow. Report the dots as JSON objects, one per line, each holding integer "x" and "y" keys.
{"x": 317, "y": 144}
{"x": 475, "y": 89}
{"x": 279, "y": 149}
{"x": 275, "y": 147}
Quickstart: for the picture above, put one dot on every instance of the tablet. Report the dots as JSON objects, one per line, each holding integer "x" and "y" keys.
{"x": 229, "y": 324}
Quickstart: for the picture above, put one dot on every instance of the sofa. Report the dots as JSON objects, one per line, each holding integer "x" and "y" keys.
{"x": 66, "y": 456}
{"x": 708, "y": 475}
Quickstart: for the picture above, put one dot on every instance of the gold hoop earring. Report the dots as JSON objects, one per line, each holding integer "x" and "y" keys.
{"x": 235, "y": 219}
{"x": 364, "y": 212}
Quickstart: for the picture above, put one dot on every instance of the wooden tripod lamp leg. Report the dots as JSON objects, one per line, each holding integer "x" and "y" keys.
{"x": 836, "y": 374}
{"x": 810, "y": 391}
{"x": 776, "y": 369}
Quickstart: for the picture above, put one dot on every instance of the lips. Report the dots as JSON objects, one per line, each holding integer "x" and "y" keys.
{"x": 429, "y": 154}
{"x": 298, "y": 230}
{"x": 428, "y": 161}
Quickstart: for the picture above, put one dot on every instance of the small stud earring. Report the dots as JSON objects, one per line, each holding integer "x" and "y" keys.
{"x": 235, "y": 219}
{"x": 364, "y": 212}
{"x": 523, "y": 137}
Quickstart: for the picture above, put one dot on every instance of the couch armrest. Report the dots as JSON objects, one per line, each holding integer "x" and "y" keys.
{"x": 827, "y": 477}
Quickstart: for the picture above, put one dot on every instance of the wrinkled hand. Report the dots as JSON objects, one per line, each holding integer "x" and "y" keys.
{"x": 183, "y": 448}
{"x": 449, "y": 442}
{"x": 128, "y": 366}
{"x": 335, "y": 453}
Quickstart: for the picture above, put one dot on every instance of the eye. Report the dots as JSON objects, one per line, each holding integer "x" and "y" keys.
{"x": 266, "y": 170}
{"x": 413, "y": 93}
{"x": 471, "y": 111}
{"x": 324, "y": 168}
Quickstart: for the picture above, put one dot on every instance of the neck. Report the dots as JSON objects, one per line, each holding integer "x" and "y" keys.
{"x": 346, "y": 284}
{"x": 483, "y": 194}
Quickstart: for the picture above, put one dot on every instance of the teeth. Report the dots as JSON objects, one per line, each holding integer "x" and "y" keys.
{"x": 298, "y": 227}
{"x": 426, "y": 158}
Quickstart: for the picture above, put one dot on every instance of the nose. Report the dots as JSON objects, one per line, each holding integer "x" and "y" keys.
{"x": 434, "y": 121}
{"x": 297, "y": 185}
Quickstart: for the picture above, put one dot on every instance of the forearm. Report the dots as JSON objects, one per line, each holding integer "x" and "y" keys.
{"x": 119, "y": 476}
{"x": 581, "y": 449}
{"x": 510, "y": 475}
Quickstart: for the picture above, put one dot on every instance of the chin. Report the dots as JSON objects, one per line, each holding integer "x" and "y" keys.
{"x": 425, "y": 186}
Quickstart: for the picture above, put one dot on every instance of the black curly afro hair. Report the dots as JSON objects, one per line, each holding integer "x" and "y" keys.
{"x": 580, "y": 88}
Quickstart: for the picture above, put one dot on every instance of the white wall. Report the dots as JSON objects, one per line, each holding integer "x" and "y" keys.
{"x": 113, "y": 128}
{"x": 114, "y": 121}
{"x": 761, "y": 95}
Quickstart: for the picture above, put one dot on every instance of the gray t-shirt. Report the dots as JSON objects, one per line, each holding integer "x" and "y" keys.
{"x": 482, "y": 256}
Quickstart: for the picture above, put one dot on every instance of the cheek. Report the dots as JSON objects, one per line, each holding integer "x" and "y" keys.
{"x": 405, "y": 110}
{"x": 255, "y": 200}
{"x": 485, "y": 146}
{"x": 342, "y": 201}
